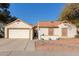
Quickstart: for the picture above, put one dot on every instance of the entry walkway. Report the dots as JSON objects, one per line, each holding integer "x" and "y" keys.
{"x": 30, "y": 46}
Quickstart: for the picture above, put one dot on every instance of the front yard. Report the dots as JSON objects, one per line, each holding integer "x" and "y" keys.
{"x": 67, "y": 45}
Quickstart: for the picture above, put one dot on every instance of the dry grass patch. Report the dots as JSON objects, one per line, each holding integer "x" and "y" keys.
{"x": 58, "y": 45}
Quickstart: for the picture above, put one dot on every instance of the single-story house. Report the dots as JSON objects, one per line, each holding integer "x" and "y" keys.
{"x": 18, "y": 29}
{"x": 55, "y": 30}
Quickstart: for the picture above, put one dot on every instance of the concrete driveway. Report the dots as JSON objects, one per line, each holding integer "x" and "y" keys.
{"x": 9, "y": 46}
{"x": 13, "y": 44}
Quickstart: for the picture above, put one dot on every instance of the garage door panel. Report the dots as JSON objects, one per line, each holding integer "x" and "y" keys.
{"x": 18, "y": 33}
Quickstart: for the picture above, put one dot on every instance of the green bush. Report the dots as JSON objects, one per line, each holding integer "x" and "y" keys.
{"x": 42, "y": 39}
{"x": 50, "y": 39}
{"x": 77, "y": 36}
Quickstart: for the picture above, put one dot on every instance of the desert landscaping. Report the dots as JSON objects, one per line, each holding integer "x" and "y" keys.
{"x": 23, "y": 47}
{"x": 66, "y": 45}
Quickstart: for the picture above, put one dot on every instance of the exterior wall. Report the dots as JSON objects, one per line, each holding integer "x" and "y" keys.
{"x": 71, "y": 32}
{"x": 57, "y": 31}
{"x": 31, "y": 35}
{"x": 42, "y": 31}
{"x": 19, "y": 25}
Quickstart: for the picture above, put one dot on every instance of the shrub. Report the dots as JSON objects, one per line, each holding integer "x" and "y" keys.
{"x": 77, "y": 36}
{"x": 42, "y": 39}
{"x": 50, "y": 39}
{"x": 58, "y": 38}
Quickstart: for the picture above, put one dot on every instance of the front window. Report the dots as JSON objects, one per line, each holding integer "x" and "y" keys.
{"x": 50, "y": 31}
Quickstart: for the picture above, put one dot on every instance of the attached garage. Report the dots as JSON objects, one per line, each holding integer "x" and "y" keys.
{"x": 18, "y": 30}
{"x": 19, "y": 33}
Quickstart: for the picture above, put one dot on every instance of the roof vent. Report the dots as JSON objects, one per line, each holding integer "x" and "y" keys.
{"x": 17, "y": 20}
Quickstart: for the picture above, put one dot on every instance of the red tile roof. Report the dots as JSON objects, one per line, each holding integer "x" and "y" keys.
{"x": 49, "y": 24}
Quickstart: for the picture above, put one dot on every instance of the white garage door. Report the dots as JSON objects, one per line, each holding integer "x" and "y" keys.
{"x": 19, "y": 33}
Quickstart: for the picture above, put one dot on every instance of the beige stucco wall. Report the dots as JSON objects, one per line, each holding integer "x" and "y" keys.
{"x": 42, "y": 31}
{"x": 72, "y": 31}
{"x": 57, "y": 31}
{"x": 19, "y": 25}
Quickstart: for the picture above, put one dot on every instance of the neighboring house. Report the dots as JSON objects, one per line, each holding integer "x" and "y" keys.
{"x": 18, "y": 29}
{"x": 56, "y": 30}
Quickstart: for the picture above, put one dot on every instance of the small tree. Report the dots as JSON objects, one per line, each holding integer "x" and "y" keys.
{"x": 5, "y": 17}
{"x": 71, "y": 13}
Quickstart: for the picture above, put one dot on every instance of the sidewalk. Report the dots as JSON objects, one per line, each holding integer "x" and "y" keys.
{"x": 30, "y": 46}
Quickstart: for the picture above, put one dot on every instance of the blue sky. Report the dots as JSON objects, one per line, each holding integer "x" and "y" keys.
{"x": 32, "y": 12}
